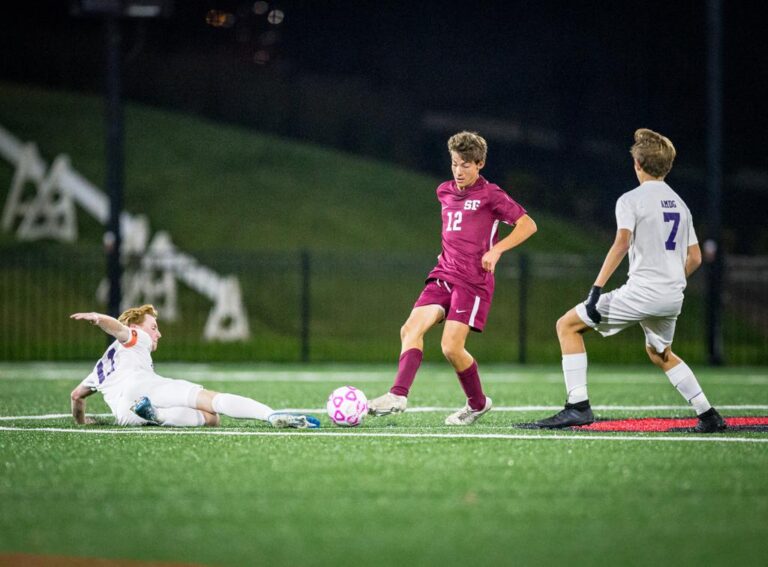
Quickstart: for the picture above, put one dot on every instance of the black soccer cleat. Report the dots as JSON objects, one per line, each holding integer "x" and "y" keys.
{"x": 574, "y": 414}
{"x": 710, "y": 422}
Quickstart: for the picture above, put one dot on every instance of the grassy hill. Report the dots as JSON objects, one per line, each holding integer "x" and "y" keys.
{"x": 245, "y": 203}
{"x": 215, "y": 186}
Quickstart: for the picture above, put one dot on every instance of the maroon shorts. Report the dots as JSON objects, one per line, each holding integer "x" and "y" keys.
{"x": 458, "y": 303}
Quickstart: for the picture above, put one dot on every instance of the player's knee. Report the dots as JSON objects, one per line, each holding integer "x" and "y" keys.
{"x": 562, "y": 326}
{"x": 451, "y": 348}
{"x": 204, "y": 400}
{"x": 658, "y": 358}
{"x": 408, "y": 331}
{"x": 211, "y": 419}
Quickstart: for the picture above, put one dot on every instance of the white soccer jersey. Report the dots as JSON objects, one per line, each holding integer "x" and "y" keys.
{"x": 662, "y": 231}
{"x": 121, "y": 365}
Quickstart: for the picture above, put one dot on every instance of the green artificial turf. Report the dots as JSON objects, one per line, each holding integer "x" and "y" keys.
{"x": 393, "y": 491}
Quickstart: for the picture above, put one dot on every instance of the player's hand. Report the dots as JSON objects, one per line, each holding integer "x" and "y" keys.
{"x": 92, "y": 317}
{"x": 591, "y": 303}
{"x": 490, "y": 259}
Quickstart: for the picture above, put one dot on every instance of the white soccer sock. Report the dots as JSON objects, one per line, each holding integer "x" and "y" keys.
{"x": 682, "y": 378}
{"x": 240, "y": 407}
{"x": 180, "y": 417}
{"x": 575, "y": 373}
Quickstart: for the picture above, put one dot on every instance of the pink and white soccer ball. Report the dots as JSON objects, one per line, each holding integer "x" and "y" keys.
{"x": 347, "y": 406}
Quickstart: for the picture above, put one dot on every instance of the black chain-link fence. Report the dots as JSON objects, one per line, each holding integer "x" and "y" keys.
{"x": 327, "y": 306}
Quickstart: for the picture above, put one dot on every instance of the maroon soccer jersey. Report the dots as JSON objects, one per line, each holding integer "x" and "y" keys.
{"x": 470, "y": 228}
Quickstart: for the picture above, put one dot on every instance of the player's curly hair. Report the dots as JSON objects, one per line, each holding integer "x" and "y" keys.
{"x": 654, "y": 152}
{"x": 471, "y": 146}
{"x": 135, "y": 315}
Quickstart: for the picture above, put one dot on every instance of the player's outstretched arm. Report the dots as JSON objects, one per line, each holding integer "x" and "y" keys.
{"x": 524, "y": 228}
{"x": 77, "y": 397}
{"x": 108, "y": 324}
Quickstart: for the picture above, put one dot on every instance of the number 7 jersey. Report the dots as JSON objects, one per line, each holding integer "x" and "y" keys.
{"x": 662, "y": 230}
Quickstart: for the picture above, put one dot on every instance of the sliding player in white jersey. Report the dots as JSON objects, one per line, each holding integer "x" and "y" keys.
{"x": 655, "y": 226}
{"x": 126, "y": 378}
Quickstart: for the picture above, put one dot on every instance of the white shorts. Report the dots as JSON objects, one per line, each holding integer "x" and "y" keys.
{"x": 624, "y": 307}
{"x": 162, "y": 392}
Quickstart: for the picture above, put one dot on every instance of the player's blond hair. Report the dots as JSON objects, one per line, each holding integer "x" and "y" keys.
{"x": 654, "y": 152}
{"x": 135, "y": 315}
{"x": 471, "y": 146}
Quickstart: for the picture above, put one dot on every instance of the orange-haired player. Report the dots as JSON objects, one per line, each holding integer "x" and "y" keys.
{"x": 126, "y": 378}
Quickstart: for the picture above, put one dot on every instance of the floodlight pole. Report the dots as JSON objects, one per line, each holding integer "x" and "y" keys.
{"x": 713, "y": 249}
{"x": 112, "y": 11}
{"x": 114, "y": 150}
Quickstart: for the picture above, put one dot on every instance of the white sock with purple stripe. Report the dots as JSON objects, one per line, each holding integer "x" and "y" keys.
{"x": 682, "y": 378}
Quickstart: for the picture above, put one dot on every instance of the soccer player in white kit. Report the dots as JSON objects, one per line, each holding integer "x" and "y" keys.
{"x": 655, "y": 226}
{"x": 126, "y": 378}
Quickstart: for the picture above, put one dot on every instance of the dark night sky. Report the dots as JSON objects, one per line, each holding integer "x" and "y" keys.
{"x": 586, "y": 69}
{"x": 603, "y": 63}
{"x": 606, "y": 64}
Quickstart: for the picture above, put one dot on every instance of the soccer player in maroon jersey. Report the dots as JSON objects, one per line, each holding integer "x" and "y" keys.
{"x": 459, "y": 289}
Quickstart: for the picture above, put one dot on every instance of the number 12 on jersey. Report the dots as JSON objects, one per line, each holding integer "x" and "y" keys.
{"x": 454, "y": 221}
{"x": 674, "y": 218}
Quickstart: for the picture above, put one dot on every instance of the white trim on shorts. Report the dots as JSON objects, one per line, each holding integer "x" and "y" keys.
{"x": 475, "y": 307}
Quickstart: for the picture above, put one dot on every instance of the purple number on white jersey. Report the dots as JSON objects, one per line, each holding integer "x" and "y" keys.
{"x": 100, "y": 366}
{"x": 674, "y": 218}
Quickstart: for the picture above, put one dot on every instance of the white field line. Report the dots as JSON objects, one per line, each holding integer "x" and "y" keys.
{"x": 366, "y": 376}
{"x": 48, "y": 416}
{"x": 438, "y": 409}
{"x": 356, "y": 435}
{"x": 431, "y": 409}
